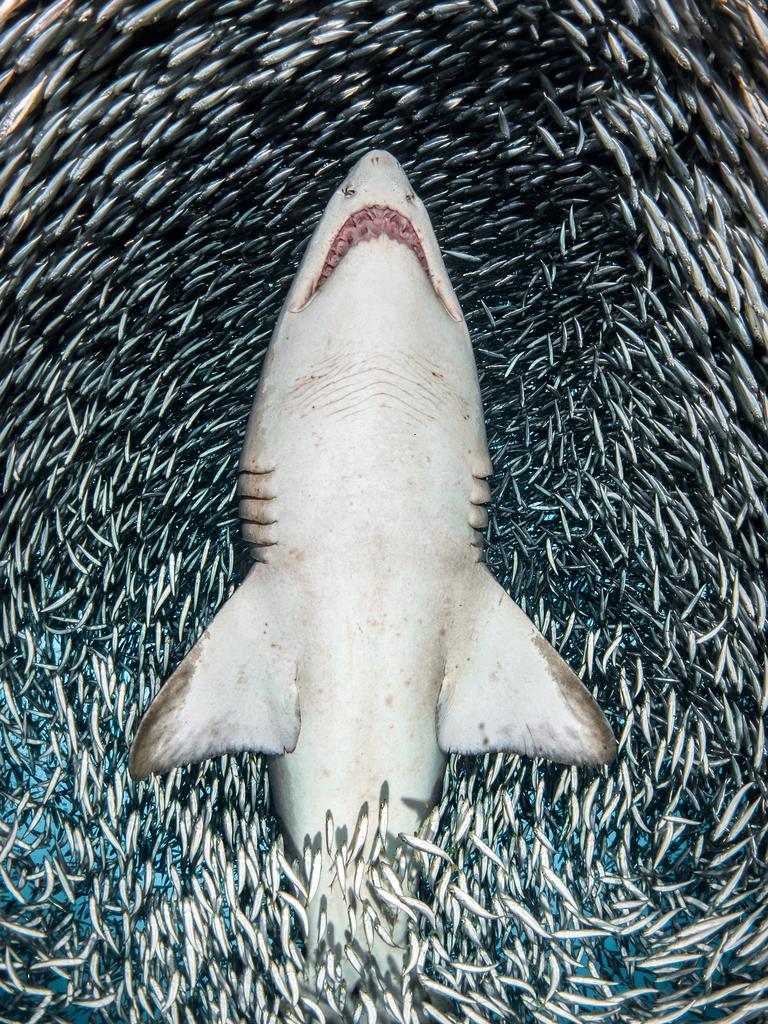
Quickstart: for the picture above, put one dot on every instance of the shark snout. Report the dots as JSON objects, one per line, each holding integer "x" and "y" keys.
{"x": 378, "y": 177}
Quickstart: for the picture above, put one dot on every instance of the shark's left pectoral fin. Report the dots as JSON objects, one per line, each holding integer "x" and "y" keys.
{"x": 506, "y": 688}
{"x": 235, "y": 690}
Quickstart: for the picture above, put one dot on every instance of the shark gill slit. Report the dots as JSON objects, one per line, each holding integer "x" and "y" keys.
{"x": 479, "y": 497}
{"x": 255, "y": 526}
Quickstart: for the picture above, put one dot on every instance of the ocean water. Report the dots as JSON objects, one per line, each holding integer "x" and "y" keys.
{"x": 596, "y": 175}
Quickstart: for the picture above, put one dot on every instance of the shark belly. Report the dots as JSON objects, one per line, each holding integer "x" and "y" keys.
{"x": 364, "y": 456}
{"x": 375, "y": 439}
{"x": 367, "y": 720}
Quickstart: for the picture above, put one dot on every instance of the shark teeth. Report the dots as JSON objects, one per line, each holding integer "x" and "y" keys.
{"x": 365, "y": 225}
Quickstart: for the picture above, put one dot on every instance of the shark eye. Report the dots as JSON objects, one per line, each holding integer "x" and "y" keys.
{"x": 348, "y": 190}
{"x": 409, "y": 196}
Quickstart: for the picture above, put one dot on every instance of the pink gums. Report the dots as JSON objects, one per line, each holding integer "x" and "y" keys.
{"x": 365, "y": 225}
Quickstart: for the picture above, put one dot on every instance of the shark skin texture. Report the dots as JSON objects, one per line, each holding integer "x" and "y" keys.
{"x": 369, "y": 640}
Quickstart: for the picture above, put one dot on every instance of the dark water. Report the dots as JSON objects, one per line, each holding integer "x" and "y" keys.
{"x": 597, "y": 172}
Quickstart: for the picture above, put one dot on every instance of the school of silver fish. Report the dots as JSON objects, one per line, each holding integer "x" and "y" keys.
{"x": 596, "y": 173}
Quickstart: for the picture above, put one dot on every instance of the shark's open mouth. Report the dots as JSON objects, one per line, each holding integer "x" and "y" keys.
{"x": 363, "y": 226}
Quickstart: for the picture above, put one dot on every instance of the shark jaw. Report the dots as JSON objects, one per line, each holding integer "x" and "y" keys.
{"x": 365, "y": 225}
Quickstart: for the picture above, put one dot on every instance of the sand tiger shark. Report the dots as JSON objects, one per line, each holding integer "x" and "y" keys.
{"x": 369, "y": 639}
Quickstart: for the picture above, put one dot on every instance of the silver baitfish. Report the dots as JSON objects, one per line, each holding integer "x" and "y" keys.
{"x": 597, "y": 174}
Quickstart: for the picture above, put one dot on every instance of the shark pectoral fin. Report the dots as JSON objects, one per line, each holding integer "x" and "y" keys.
{"x": 506, "y": 688}
{"x": 235, "y": 690}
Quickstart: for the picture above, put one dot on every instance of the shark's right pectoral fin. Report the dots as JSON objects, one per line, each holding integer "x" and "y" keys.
{"x": 235, "y": 690}
{"x": 506, "y": 688}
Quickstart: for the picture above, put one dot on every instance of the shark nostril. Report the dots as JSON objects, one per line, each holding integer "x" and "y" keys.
{"x": 348, "y": 190}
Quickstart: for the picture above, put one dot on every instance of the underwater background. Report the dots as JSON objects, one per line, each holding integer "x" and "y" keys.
{"x": 596, "y": 174}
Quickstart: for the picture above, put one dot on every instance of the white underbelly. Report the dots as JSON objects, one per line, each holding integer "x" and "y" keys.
{"x": 372, "y": 526}
{"x": 367, "y": 695}
{"x": 368, "y": 438}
